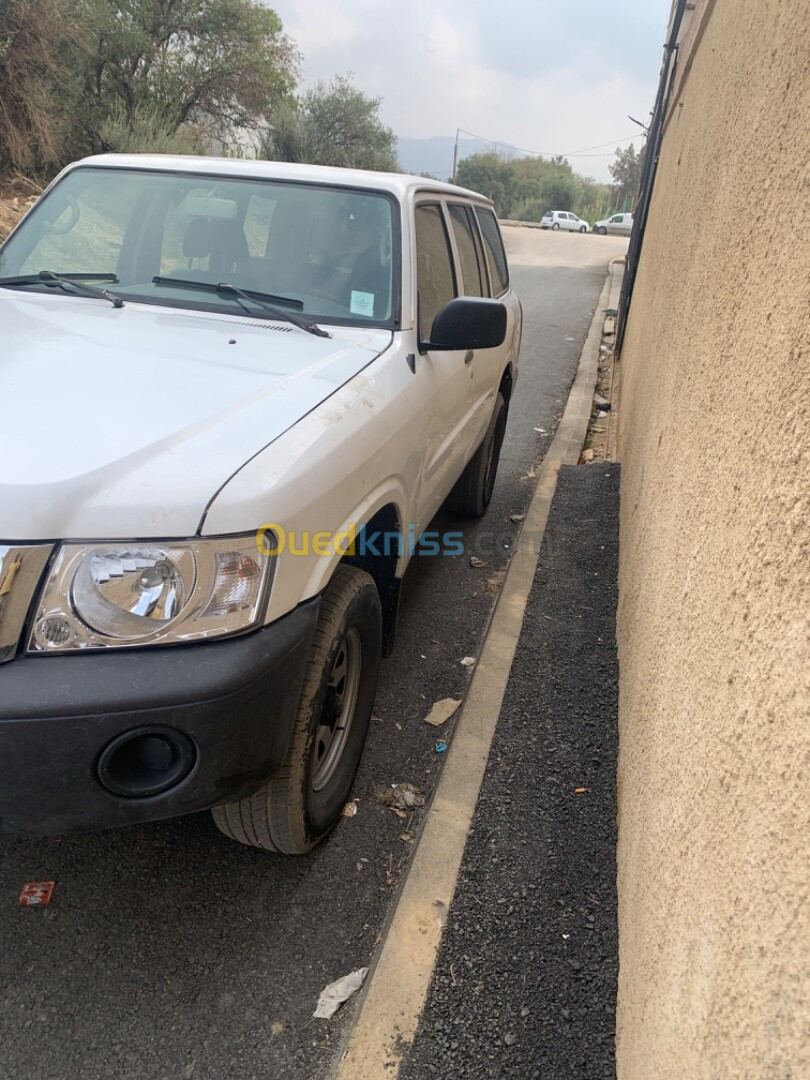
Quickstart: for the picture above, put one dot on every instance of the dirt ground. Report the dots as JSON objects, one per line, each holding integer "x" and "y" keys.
{"x": 15, "y": 198}
{"x": 600, "y": 442}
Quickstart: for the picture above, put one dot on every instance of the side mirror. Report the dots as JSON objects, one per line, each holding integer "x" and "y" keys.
{"x": 468, "y": 323}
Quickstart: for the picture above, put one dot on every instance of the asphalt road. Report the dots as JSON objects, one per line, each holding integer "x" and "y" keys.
{"x": 170, "y": 952}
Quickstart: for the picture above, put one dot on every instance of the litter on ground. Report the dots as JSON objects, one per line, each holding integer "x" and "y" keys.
{"x": 399, "y": 796}
{"x": 333, "y": 995}
{"x": 442, "y": 711}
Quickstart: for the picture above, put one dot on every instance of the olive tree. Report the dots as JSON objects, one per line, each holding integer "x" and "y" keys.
{"x": 334, "y": 123}
{"x": 165, "y": 64}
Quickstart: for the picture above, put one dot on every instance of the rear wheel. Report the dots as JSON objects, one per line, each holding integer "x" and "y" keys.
{"x": 555, "y": 226}
{"x": 473, "y": 490}
{"x": 301, "y": 803}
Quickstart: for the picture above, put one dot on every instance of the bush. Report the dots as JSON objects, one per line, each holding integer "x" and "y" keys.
{"x": 147, "y": 132}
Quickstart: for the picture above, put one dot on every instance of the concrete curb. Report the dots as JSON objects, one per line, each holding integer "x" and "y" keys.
{"x": 397, "y": 986}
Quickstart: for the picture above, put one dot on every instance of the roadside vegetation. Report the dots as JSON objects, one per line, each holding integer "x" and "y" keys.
{"x": 168, "y": 76}
{"x": 524, "y": 188}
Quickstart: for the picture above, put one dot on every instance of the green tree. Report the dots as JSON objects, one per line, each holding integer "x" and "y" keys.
{"x": 489, "y": 174}
{"x": 334, "y": 123}
{"x": 218, "y": 64}
{"x": 626, "y": 169}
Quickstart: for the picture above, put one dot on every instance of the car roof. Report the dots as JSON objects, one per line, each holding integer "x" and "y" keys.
{"x": 397, "y": 184}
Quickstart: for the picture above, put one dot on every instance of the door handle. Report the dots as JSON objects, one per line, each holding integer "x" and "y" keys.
{"x": 468, "y": 356}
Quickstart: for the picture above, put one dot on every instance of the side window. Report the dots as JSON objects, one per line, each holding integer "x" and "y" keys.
{"x": 463, "y": 231}
{"x": 496, "y": 256}
{"x": 435, "y": 280}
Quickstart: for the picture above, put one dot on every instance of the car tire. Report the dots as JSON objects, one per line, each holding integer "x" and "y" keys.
{"x": 302, "y": 802}
{"x": 602, "y": 230}
{"x": 582, "y": 229}
{"x": 473, "y": 490}
{"x": 555, "y": 226}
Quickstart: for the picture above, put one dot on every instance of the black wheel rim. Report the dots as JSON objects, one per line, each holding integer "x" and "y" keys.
{"x": 337, "y": 711}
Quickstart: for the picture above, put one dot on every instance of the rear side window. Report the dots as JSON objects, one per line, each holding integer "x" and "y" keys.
{"x": 435, "y": 279}
{"x": 464, "y": 233}
{"x": 496, "y": 256}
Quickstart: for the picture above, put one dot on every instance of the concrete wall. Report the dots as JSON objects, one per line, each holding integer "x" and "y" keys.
{"x": 714, "y": 639}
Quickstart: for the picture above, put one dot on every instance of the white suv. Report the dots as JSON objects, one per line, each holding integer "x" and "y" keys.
{"x": 235, "y": 395}
{"x": 563, "y": 219}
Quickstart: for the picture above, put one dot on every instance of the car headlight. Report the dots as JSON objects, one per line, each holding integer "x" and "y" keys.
{"x": 103, "y": 595}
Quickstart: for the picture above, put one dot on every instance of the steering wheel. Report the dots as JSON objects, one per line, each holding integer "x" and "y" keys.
{"x": 60, "y": 227}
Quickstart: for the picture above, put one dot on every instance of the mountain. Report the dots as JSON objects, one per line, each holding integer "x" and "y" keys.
{"x": 435, "y": 155}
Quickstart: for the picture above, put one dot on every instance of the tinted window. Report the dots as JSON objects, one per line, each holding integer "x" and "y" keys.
{"x": 496, "y": 256}
{"x": 435, "y": 280}
{"x": 463, "y": 231}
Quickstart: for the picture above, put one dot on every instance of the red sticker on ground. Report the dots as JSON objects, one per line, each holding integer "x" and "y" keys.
{"x": 37, "y": 893}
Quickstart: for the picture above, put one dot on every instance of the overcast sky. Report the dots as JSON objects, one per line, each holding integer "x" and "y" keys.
{"x": 548, "y": 76}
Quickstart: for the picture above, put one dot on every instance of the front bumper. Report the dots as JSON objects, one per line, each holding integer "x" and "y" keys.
{"x": 229, "y": 705}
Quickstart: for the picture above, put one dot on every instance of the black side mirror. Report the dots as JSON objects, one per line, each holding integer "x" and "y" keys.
{"x": 468, "y": 323}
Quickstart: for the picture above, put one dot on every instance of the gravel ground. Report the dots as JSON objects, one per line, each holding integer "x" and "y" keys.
{"x": 525, "y": 981}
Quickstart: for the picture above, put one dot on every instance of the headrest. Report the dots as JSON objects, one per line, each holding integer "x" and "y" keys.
{"x": 222, "y": 238}
{"x": 198, "y": 239}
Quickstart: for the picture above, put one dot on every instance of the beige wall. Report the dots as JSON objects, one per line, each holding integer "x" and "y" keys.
{"x": 714, "y": 772}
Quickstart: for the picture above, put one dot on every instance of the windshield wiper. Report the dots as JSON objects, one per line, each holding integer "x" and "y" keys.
{"x": 70, "y": 283}
{"x": 264, "y": 300}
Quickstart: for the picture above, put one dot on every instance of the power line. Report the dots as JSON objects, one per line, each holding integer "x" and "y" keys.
{"x": 545, "y": 153}
{"x": 584, "y": 153}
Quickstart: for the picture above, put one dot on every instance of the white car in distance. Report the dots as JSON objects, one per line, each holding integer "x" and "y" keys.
{"x": 235, "y": 395}
{"x": 563, "y": 219}
{"x": 618, "y": 225}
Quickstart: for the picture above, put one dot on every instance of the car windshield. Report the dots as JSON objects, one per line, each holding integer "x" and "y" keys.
{"x": 323, "y": 253}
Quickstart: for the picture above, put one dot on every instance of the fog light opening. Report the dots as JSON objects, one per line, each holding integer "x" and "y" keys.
{"x": 146, "y": 762}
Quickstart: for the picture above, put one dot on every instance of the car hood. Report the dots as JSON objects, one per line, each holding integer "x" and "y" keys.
{"x": 124, "y": 423}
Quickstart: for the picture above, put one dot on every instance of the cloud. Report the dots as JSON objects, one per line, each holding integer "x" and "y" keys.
{"x": 545, "y": 76}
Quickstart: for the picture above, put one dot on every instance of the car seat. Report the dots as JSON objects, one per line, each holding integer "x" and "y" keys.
{"x": 223, "y": 243}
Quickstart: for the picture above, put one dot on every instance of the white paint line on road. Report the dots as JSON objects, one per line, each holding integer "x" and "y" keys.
{"x": 395, "y": 992}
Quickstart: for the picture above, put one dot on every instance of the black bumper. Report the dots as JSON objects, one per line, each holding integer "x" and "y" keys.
{"x": 215, "y": 719}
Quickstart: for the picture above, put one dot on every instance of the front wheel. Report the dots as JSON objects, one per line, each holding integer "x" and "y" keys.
{"x": 473, "y": 490}
{"x": 602, "y": 231}
{"x": 583, "y": 228}
{"x": 301, "y": 803}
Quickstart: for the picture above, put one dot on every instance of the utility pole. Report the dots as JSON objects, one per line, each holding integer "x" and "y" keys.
{"x": 455, "y": 156}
